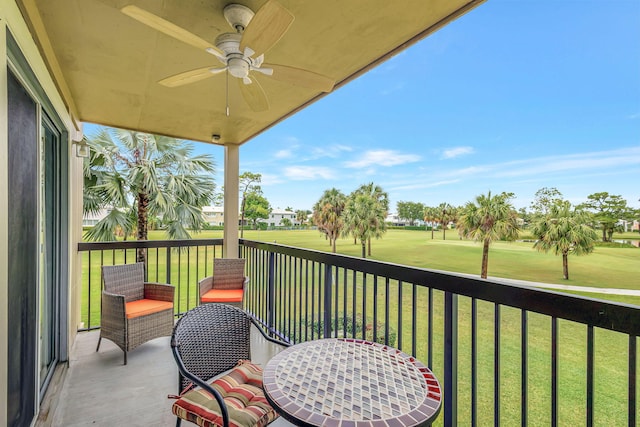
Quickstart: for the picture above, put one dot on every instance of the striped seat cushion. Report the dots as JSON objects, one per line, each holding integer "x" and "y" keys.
{"x": 242, "y": 392}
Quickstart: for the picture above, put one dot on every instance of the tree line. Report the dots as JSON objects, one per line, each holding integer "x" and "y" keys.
{"x": 144, "y": 180}
{"x": 556, "y": 224}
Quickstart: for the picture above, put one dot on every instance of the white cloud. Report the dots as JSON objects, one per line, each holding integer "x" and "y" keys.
{"x": 283, "y": 154}
{"x": 591, "y": 162}
{"x": 293, "y": 144}
{"x": 423, "y": 185}
{"x": 634, "y": 116}
{"x": 268, "y": 179}
{"x": 331, "y": 151}
{"x": 397, "y": 87}
{"x": 302, "y": 173}
{"x": 382, "y": 158}
{"x": 472, "y": 170}
{"x": 454, "y": 152}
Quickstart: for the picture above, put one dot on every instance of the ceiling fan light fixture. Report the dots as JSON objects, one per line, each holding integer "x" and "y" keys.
{"x": 238, "y": 67}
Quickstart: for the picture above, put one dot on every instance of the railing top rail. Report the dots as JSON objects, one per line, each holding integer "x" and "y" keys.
{"x": 134, "y": 244}
{"x": 610, "y": 315}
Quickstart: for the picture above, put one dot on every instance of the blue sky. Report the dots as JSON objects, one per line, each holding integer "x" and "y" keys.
{"x": 514, "y": 96}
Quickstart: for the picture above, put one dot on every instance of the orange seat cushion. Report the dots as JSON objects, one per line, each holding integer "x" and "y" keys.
{"x": 223, "y": 295}
{"x": 142, "y": 307}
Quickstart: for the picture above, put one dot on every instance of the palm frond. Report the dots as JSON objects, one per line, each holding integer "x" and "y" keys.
{"x": 105, "y": 229}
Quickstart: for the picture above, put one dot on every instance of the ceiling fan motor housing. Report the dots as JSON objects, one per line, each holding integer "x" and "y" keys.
{"x": 229, "y": 43}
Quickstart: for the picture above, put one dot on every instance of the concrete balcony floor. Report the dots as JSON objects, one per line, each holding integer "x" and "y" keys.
{"x": 100, "y": 391}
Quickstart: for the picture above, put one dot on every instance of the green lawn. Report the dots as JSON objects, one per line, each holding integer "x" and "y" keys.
{"x": 607, "y": 267}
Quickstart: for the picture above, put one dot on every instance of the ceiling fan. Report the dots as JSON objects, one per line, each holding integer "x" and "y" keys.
{"x": 241, "y": 52}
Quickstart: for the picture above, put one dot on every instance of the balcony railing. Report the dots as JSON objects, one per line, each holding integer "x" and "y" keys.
{"x": 505, "y": 354}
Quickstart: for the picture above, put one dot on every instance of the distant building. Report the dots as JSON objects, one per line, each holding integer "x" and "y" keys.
{"x": 91, "y": 219}
{"x": 394, "y": 220}
{"x": 629, "y": 225}
{"x": 214, "y": 215}
{"x": 277, "y": 215}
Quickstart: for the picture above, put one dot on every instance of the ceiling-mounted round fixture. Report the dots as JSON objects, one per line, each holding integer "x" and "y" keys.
{"x": 238, "y": 16}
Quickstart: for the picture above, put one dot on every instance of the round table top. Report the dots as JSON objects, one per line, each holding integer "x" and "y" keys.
{"x": 351, "y": 382}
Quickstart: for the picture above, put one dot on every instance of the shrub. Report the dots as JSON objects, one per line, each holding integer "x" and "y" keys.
{"x": 346, "y": 322}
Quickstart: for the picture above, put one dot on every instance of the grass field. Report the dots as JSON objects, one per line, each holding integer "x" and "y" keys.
{"x": 607, "y": 267}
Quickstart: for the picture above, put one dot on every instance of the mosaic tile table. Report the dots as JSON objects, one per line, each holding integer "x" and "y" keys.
{"x": 350, "y": 382}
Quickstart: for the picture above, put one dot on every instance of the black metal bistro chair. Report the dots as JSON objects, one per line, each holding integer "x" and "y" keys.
{"x": 218, "y": 384}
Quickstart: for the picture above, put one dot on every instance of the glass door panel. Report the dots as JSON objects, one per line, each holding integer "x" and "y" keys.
{"x": 49, "y": 287}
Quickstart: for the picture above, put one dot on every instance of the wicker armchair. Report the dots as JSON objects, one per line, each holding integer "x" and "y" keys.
{"x": 134, "y": 311}
{"x": 228, "y": 283}
{"x": 212, "y": 348}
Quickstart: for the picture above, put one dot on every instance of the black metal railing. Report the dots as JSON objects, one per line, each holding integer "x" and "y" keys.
{"x": 181, "y": 263}
{"x": 505, "y": 354}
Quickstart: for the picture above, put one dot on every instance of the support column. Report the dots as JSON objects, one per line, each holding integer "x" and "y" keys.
{"x": 231, "y": 199}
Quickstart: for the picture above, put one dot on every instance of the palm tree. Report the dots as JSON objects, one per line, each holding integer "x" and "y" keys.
{"x": 360, "y": 218}
{"x": 138, "y": 177}
{"x": 444, "y": 213}
{"x": 490, "y": 218}
{"x": 379, "y": 212}
{"x": 301, "y": 217}
{"x": 564, "y": 231}
{"x": 327, "y": 215}
{"x": 431, "y": 216}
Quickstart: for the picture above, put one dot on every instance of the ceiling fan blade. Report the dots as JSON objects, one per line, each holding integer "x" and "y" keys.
{"x": 268, "y": 25}
{"x": 265, "y": 71}
{"x": 300, "y": 77}
{"x": 168, "y": 28}
{"x": 257, "y": 63}
{"x": 254, "y": 95}
{"x": 190, "y": 76}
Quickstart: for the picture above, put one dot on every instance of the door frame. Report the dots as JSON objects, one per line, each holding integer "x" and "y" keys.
{"x": 22, "y": 71}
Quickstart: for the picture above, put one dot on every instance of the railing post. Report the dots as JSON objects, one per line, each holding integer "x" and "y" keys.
{"x": 271, "y": 291}
{"x": 168, "y": 270}
{"x": 328, "y": 284}
{"x": 450, "y": 359}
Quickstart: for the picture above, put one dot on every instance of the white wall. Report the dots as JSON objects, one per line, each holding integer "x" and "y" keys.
{"x": 11, "y": 19}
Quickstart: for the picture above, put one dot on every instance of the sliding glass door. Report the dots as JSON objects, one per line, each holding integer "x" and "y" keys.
{"x": 38, "y": 240}
{"x": 49, "y": 252}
